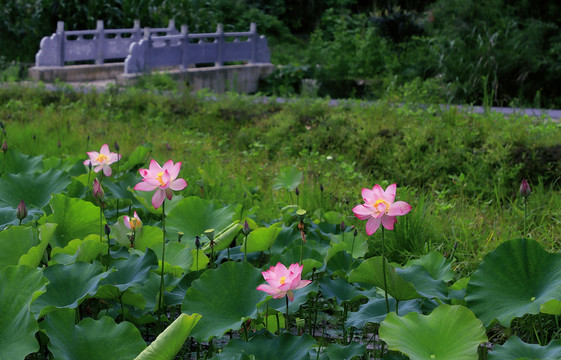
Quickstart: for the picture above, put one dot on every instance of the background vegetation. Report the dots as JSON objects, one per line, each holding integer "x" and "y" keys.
{"x": 500, "y": 52}
{"x": 460, "y": 172}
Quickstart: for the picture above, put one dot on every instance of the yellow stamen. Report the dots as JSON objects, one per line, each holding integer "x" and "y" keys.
{"x": 381, "y": 201}
{"x": 101, "y": 158}
{"x": 282, "y": 280}
{"x": 134, "y": 223}
{"x": 159, "y": 178}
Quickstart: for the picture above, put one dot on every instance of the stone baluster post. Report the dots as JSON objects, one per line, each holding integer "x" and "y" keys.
{"x": 136, "y": 34}
{"x": 220, "y": 45}
{"x": 185, "y": 47}
{"x": 100, "y": 39}
{"x": 254, "y": 38}
{"x": 148, "y": 53}
{"x": 61, "y": 40}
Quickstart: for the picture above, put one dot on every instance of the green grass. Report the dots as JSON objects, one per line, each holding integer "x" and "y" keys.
{"x": 459, "y": 171}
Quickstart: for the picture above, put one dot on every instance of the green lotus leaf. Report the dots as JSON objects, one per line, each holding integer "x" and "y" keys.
{"x": 514, "y": 348}
{"x": 35, "y": 254}
{"x": 423, "y": 282}
{"x": 262, "y": 239}
{"x": 436, "y": 264}
{"x": 177, "y": 294}
{"x": 513, "y": 280}
{"x": 35, "y": 189}
{"x": 68, "y": 286}
{"x": 267, "y": 346}
{"x": 449, "y": 332}
{"x": 17, "y": 163}
{"x": 370, "y": 272}
{"x": 138, "y": 157}
{"x": 341, "y": 352}
{"x": 194, "y": 215}
{"x": 224, "y": 238}
{"x": 73, "y": 165}
{"x": 201, "y": 262}
{"x": 144, "y": 237}
{"x": 144, "y": 198}
{"x": 8, "y": 216}
{"x": 286, "y": 236}
{"x": 375, "y": 311}
{"x": 91, "y": 339}
{"x": 344, "y": 241}
{"x": 333, "y": 217}
{"x": 169, "y": 342}
{"x": 19, "y": 286}
{"x": 340, "y": 264}
{"x": 178, "y": 255}
{"x": 86, "y": 250}
{"x": 76, "y": 219}
{"x": 288, "y": 178}
{"x": 295, "y": 252}
{"x": 15, "y": 242}
{"x": 339, "y": 289}
{"x": 300, "y": 298}
{"x": 128, "y": 272}
{"x": 552, "y": 307}
{"x": 224, "y": 297}
{"x": 120, "y": 189}
{"x": 149, "y": 290}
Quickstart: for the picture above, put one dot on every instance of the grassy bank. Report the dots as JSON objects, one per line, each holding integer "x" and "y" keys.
{"x": 459, "y": 171}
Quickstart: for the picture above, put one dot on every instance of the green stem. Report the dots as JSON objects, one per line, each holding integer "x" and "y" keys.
{"x": 353, "y": 245}
{"x": 108, "y": 251}
{"x": 287, "y": 330}
{"x": 122, "y": 307}
{"x": 160, "y": 301}
{"x": 301, "y": 251}
{"x": 267, "y": 317}
{"x": 245, "y": 249}
{"x": 384, "y": 271}
{"x": 525, "y": 209}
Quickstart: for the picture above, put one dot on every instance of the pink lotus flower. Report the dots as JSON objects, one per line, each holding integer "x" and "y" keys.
{"x": 379, "y": 208}
{"x": 102, "y": 159}
{"x": 162, "y": 179}
{"x": 282, "y": 281}
{"x": 132, "y": 223}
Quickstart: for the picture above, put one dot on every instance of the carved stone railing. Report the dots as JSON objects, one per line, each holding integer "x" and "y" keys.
{"x": 96, "y": 45}
{"x": 185, "y": 49}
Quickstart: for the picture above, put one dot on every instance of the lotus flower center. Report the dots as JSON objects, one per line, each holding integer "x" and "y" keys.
{"x": 101, "y": 158}
{"x": 381, "y": 205}
{"x": 159, "y": 178}
{"x": 134, "y": 223}
{"x": 282, "y": 280}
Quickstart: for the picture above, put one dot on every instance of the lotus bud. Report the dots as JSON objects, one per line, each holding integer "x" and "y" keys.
{"x": 343, "y": 227}
{"x": 297, "y": 191}
{"x": 197, "y": 242}
{"x": 107, "y": 230}
{"x": 4, "y": 147}
{"x": 98, "y": 192}
{"x": 246, "y": 228}
{"x": 355, "y": 233}
{"x": 525, "y": 189}
{"x": 321, "y": 187}
{"x": 168, "y": 147}
{"x": 117, "y": 148}
{"x": 21, "y": 212}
